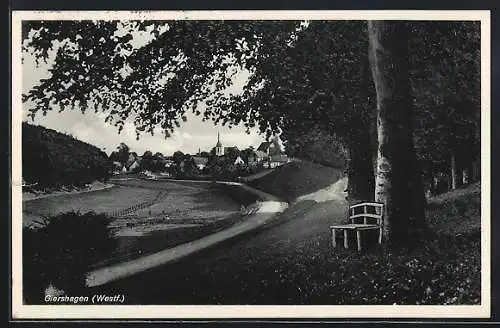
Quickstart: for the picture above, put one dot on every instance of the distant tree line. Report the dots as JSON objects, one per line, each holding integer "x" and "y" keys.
{"x": 221, "y": 167}
{"x": 51, "y": 159}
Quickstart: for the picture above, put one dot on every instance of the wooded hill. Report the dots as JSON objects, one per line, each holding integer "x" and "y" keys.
{"x": 52, "y": 159}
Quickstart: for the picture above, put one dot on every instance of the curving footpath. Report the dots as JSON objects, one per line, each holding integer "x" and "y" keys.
{"x": 27, "y": 197}
{"x": 267, "y": 210}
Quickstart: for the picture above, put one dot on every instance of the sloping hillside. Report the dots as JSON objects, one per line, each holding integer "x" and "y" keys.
{"x": 457, "y": 212}
{"x": 51, "y": 158}
{"x": 296, "y": 179}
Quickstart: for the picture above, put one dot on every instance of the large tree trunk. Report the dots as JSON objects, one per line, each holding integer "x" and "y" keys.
{"x": 398, "y": 182}
{"x": 361, "y": 177}
{"x": 361, "y": 180}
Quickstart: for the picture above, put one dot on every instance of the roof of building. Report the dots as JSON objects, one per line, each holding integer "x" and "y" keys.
{"x": 133, "y": 164}
{"x": 199, "y": 160}
{"x": 263, "y": 146}
{"x": 230, "y": 148}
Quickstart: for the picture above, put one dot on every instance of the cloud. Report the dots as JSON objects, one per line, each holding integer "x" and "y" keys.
{"x": 187, "y": 136}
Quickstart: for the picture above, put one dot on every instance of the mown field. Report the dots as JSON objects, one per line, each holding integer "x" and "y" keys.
{"x": 148, "y": 216}
{"x": 101, "y": 201}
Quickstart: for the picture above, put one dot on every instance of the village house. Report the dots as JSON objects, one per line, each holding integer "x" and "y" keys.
{"x": 252, "y": 159}
{"x": 260, "y": 156}
{"x": 168, "y": 163}
{"x": 271, "y": 154}
{"x": 200, "y": 162}
{"x": 277, "y": 160}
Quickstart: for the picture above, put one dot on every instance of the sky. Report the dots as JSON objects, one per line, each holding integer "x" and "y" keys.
{"x": 91, "y": 127}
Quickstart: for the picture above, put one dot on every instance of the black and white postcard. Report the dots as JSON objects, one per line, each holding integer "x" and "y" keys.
{"x": 250, "y": 164}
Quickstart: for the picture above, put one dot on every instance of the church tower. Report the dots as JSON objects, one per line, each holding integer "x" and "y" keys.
{"x": 219, "y": 150}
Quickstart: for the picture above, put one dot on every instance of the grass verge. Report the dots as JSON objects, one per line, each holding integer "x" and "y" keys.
{"x": 446, "y": 269}
{"x": 296, "y": 179}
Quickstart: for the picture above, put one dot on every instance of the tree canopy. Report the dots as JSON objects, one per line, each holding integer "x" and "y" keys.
{"x": 188, "y": 62}
{"x": 304, "y": 76}
{"x": 302, "y": 73}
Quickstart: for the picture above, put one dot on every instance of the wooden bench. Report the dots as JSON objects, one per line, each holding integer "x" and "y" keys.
{"x": 362, "y": 216}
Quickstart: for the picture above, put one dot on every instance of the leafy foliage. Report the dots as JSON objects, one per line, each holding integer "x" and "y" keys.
{"x": 52, "y": 159}
{"x": 60, "y": 251}
{"x": 318, "y": 147}
{"x": 445, "y": 271}
{"x": 445, "y": 76}
{"x": 188, "y": 62}
{"x": 121, "y": 154}
{"x": 304, "y": 76}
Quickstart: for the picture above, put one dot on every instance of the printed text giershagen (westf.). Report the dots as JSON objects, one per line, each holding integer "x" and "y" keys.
{"x": 95, "y": 299}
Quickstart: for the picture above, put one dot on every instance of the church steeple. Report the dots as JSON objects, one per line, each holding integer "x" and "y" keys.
{"x": 219, "y": 150}
{"x": 219, "y": 144}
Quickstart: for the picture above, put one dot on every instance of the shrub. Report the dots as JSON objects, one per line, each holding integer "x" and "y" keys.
{"x": 60, "y": 250}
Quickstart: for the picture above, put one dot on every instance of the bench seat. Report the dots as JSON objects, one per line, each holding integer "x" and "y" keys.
{"x": 354, "y": 226}
{"x": 371, "y": 211}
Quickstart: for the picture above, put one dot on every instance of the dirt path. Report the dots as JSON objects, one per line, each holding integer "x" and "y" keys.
{"x": 266, "y": 210}
{"x": 245, "y": 270}
{"x": 115, "y": 272}
{"x": 31, "y": 196}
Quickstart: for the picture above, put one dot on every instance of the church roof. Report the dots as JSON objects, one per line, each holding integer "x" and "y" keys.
{"x": 226, "y": 149}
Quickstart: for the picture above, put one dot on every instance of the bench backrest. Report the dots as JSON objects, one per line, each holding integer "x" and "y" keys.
{"x": 367, "y": 213}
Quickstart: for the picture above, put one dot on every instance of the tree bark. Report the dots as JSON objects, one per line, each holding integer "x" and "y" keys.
{"x": 476, "y": 170}
{"x": 398, "y": 182}
{"x": 361, "y": 177}
{"x": 466, "y": 175}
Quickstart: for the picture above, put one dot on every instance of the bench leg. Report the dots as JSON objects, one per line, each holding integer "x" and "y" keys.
{"x": 334, "y": 240}
{"x": 346, "y": 245}
{"x": 358, "y": 237}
